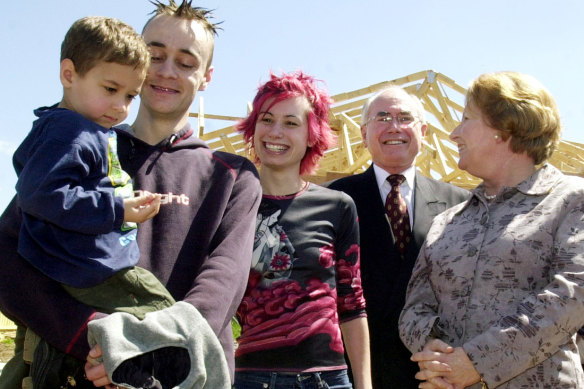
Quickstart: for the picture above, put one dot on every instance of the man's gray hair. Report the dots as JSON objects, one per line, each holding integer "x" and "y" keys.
{"x": 419, "y": 111}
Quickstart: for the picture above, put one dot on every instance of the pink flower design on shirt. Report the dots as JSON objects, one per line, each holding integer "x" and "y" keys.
{"x": 280, "y": 262}
{"x": 327, "y": 256}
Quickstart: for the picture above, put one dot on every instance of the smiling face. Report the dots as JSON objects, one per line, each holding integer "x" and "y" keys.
{"x": 103, "y": 94}
{"x": 281, "y": 134}
{"x": 476, "y": 142}
{"x": 181, "y": 50}
{"x": 393, "y": 146}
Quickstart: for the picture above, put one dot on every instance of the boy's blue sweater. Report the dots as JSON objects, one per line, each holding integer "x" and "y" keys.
{"x": 68, "y": 190}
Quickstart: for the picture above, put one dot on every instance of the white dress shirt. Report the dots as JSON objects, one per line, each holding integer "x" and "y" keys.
{"x": 406, "y": 188}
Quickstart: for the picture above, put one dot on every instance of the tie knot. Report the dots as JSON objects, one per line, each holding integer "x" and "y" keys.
{"x": 395, "y": 180}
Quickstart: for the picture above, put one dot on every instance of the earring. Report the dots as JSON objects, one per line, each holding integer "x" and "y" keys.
{"x": 496, "y": 137}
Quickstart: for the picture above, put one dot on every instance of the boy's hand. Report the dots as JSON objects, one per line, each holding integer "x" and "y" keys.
{"x": 141, "y": 208}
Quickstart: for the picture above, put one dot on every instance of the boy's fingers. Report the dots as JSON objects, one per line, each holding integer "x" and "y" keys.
{"x": 144, "y": 199}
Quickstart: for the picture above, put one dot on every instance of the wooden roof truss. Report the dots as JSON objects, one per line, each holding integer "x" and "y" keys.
{"x": 443, "y": 100}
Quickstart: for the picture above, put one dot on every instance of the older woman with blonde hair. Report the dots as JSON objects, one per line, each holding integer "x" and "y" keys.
{"x": 497, "y": 293}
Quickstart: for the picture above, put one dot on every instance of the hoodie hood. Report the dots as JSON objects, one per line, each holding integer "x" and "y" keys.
{"x": 181, "y": 139}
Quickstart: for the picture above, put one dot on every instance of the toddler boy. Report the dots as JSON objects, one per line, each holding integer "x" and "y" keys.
{"x": 79, "y": 212}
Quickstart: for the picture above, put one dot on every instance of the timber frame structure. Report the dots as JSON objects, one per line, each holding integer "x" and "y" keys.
{"x": 443, "y": 100}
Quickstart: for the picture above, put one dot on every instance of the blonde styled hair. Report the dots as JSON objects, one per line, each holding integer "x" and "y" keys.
{"x": 521, "y": 108}
{"x": 96, "y": 38}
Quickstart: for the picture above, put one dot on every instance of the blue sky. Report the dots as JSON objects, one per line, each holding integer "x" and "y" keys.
{"x": 347, "y": 44}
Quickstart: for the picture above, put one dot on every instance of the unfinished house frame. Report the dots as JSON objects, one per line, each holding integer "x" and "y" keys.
{"x": 443, "y": 100}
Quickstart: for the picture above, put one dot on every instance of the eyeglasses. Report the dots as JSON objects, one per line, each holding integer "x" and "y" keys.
{"x": 404, "y": 119}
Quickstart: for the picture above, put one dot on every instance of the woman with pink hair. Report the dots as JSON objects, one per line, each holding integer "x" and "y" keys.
{"x": 304, "y": 293}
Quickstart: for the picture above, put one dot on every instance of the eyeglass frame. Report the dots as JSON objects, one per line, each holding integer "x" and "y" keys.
{"x": 383, "y": 116}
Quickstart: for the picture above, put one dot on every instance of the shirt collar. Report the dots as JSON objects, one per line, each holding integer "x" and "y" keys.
{"x": 540, "y": 183}
{"x": 381, "y": 176}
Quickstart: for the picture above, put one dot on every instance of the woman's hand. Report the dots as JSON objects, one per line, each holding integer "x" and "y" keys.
{"x": 445, "y": 367}
{"x": 95, "y": 370}
{"x": 431, "y": 367}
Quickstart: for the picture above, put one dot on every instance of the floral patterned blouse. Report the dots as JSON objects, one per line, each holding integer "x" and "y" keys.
{"x": 304, "y": 280}
{"x": 504, "y": 279}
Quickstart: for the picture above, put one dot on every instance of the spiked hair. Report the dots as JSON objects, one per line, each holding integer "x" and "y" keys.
{"x": 186, "y": 11}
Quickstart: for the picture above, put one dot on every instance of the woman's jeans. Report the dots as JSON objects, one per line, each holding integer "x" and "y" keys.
{"x": 336, "y": 379}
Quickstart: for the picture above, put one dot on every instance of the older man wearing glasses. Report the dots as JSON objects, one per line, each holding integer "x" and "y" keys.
{"x": 396, "y": 205}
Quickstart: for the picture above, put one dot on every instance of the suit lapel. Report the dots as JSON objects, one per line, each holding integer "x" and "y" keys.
{"x": 427, "y": 205}
{"x": 376, "y": 208}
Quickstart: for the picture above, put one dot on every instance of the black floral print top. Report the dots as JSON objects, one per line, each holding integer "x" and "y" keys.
{"x": 304, "y": 280}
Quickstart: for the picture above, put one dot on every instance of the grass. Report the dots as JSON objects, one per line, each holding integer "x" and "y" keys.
{"x": 236, "y": 328}
{"x": 7, "y": 341}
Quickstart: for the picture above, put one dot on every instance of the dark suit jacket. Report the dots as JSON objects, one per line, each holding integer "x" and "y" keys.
{"x": 385, "y": 274}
